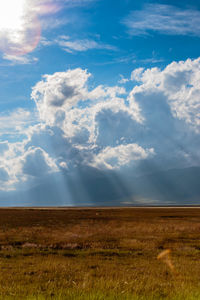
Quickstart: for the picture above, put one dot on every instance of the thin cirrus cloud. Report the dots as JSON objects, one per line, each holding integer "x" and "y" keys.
{"x": 81, "y": 45}
{"x": 164, "y": 19}
{"x": 14, "y": 122}
{"x": 19, "y": 60}
{"x": 73, "y": 3}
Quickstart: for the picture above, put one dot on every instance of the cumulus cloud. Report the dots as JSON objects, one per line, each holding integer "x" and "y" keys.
{"x": 36, "y": 162}
{"x": 122, "y": 155}
{"x": 165, "y": 19}
{"x": 3, "y": 147}
{"x": 136, "y": 74}
{"x": 20, "y": 163}
{"x": 9, "y": 167}
{"x": 155, "y": 125}
{"x": 177, "y": 84}
{"x": 3, "y": 175}
{"x": 58, "y": 95}
{"x": 61, "y": 90}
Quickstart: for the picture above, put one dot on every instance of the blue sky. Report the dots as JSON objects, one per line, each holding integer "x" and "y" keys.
{"x": 99, "y": 94}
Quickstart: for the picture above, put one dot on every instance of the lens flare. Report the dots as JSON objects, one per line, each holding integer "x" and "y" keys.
{"x": 166, "y": 258}
{"x": 11, "y": 14}
{"x": 20, "y": 28}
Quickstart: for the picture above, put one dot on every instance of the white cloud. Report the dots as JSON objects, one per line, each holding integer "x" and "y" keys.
{"x": 45, "y": 42}
{"x": 78, "y": 2}
{"x": 58, "y": 95}
{"x": 151, "y": 60}
{"x": 3, "y": 175}
{"x": 105, "y": 127}
{"x": 16, "y": 121}
{"x": 136, "y": 74}
{"x": 36, "y": 162}
{"x": 60, "y": 92}
{"x": 9, "y": 163}
{"x": 20, "y": 60}
{"x": 3, "y": 147}
{"x": 20, "y": 163}
{"x": 177, "y": 83}
{"x": 69, "y": 3}
{"x": 123, "y": 80}
{"x": 122, "y": 155}
{"x": 165, "y": 19}
{"x": 81, "y": 45}
{"x": 83, "y": 124}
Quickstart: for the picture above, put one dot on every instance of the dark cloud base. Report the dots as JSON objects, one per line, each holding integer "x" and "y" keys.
{"x": 91, "y": 187}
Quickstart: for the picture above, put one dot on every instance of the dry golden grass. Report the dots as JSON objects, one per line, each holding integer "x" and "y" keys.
{"x": 100, "y": 253}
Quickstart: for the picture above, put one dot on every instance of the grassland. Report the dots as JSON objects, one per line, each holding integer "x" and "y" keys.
{"x": 99, "y": 253}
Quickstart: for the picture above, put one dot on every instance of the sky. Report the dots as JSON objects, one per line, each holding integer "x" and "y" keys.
{"x": 99, "y": 102}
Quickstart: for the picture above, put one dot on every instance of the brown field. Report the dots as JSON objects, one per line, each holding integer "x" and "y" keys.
{"x": 100, "y": 253}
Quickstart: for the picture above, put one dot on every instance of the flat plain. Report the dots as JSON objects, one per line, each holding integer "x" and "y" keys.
{"x": 101, "y": 253}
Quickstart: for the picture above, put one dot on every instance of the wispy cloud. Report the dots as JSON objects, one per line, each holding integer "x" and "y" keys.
{"x": 80, "y": 45}
{"x": 165, "y": 19}
{"x": 19, "y": 60}
{"x": 132, "y": 58}
{"x": 15, "y": 122}
{"x": 72, "y": 3}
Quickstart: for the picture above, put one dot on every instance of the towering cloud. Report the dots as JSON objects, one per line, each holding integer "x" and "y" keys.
{"x": 106, "y": 131}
